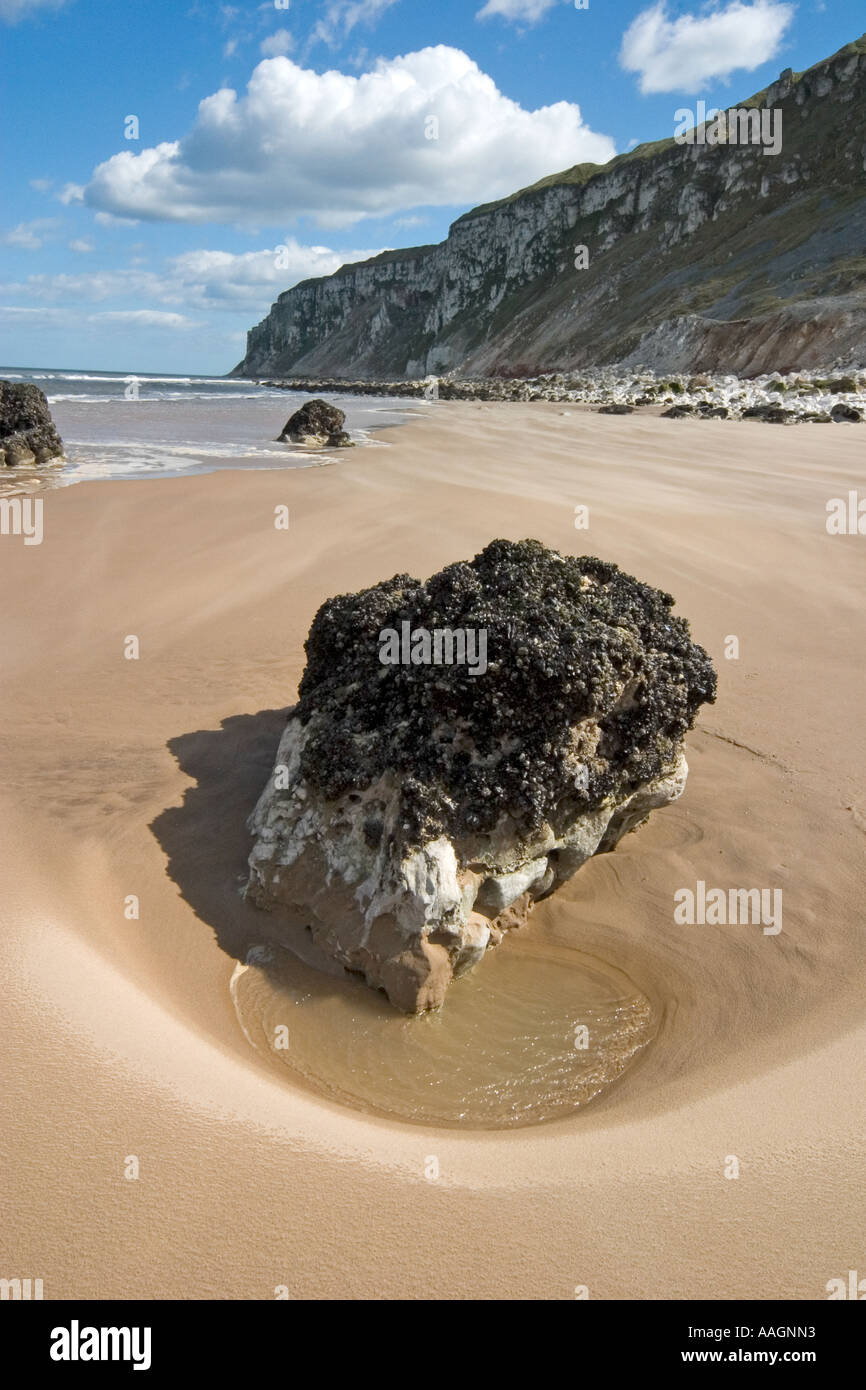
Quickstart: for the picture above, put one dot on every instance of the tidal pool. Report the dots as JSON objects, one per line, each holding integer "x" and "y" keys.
{"x": 534, "y": 1033}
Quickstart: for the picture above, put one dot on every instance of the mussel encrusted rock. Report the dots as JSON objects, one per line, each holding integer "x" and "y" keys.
{"x": 27, "y": 432}
{"x": 318, "y": 423}
{"x": 461, "y": 747}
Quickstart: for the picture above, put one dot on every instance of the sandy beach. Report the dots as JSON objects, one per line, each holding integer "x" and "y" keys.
{"x": 135, "y": 777}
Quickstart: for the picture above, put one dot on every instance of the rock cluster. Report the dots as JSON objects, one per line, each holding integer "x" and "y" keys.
{"x": 822, "y": 396}
{"x": 317, "y": 423}
{"x": 27, "y": 433}
{"x": 418, "y": 808}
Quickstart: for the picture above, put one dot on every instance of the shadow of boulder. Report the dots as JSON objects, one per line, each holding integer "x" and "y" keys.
{"x": 205, "y": 840}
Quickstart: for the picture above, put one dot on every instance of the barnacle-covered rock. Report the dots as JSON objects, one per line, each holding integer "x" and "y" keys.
{"x": 27, "y": 432}
{"x": 419, "y": 804}
{"x": 318, "y": 423}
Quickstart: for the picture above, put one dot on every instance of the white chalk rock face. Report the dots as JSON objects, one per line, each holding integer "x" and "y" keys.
{"x": 427, "y": 792}
{"x": 409, "y": 923}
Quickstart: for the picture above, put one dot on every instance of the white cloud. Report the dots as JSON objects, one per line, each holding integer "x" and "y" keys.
{"x": 280, "y": 42}
{"x": 107, "y": 219}
{"x": 342, "y": 16}
{"x": 16, "y": 316}
{"x": 13, "y": 10}
{"x": 81, "y": 245}
{"x": 208, "y": 278}
{"x": 71, "y": 193}
{"x": 339, "y": 148}
{"x": 166, "y": 329}
{"x": 42, "y": 185}
{"x": 29, "y": 236}
{"x": 683, "y": 54}
{"x": 89, "y": 287}
{"x": 525, "y": 11}
{"x": 195, "y": 280}
{"x": 145, "y": 318}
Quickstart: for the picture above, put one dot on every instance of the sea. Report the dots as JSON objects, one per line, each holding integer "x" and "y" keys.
{"x": 120, "y": 425}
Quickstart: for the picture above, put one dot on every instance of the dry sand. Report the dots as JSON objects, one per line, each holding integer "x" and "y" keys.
{"x": 134, "y": 777}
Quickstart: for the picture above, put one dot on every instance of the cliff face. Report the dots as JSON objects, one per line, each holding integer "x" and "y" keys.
{"x": 701, "y": 257}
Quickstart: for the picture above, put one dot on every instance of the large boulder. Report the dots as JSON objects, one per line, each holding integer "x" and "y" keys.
{"x": 27, "y": 432}
{"x": 420, "y": 805}
{"x": 317, "y": 423}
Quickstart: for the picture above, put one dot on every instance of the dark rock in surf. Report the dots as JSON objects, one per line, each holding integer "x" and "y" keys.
{"x": 317, "y": 423}
{"x": 27, "y": 431}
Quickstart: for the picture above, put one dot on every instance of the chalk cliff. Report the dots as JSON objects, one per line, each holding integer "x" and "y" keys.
{"x": 701, "y": 257}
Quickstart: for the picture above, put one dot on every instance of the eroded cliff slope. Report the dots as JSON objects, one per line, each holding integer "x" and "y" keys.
{"x": 701, "y": 257}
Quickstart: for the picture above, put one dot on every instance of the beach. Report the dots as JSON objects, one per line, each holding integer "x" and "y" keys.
{"x": 132, "y": 779}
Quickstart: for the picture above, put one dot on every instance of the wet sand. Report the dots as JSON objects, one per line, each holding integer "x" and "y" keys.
{"x": 124, "y": 778}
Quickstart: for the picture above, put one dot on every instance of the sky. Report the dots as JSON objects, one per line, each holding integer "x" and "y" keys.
{"x": 168, "y": 167}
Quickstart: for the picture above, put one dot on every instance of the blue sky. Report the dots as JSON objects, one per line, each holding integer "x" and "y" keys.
{"x": 275, "y": 141}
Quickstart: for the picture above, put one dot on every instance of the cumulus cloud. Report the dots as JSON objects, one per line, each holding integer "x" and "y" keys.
{"x": 200, "y": 280}
{"x": 81, "y": 245}
{"x": 521, "y": 11}
{"x": 210, "y": 278}
{"x": 683, "y": 54}
{"x": 11, "y": 11}
{"x": 339, "y": 148}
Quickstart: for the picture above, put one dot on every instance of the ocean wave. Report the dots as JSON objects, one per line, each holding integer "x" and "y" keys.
{"x": 124, "y": 378}
{"x": 114, "y": 377}
{"x": 152, "y": 397}
{"x": 120, "y": 452}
